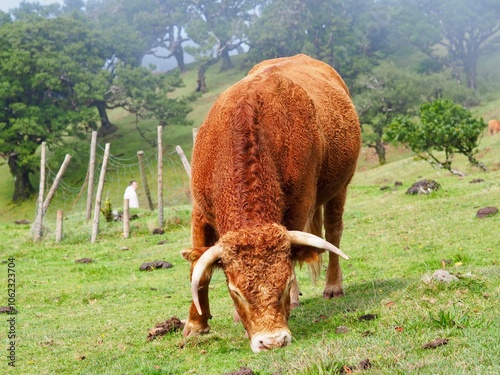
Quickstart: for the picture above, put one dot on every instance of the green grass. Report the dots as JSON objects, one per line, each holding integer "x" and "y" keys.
{"x": 94, "y": 318}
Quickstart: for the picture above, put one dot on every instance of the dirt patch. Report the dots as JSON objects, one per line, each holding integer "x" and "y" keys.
{"x": 363, "y": 365}
{"x": 434, "y": 344}
{"x": 368, "y": 317}
{"x": 486, "y": 212}
{"x": 150, "y": 266}
{"x": 7, "y": 310}
{"x": 476, "y": 181}
{"x": 22, "y": 222}
{"x": 84, "y": 260}
{"x": 168, "y": 326}
{"x": 241, "y": 371}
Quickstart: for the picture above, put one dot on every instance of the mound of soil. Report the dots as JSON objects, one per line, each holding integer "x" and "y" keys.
{"x": 149, "y": 266}
{"x": 8, "y": 310}
{"x": 22, "y": 222}
{"x": 241, "y": 371}
{"x": 168, "y": 326}
{"x": 486, "y": 211}
{"x": 84, "y": 260}
{"x": 434, "y": 344}
{"x": 158, "y": 231}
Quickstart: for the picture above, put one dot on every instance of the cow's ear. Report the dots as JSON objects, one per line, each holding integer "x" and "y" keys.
{"x": 192, "y": 255}
{"x": 305, "y": 254}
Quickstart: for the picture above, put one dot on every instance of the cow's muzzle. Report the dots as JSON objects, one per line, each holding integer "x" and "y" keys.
{"x": 265, "y": 341}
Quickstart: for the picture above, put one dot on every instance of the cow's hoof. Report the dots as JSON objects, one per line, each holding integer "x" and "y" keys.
{"x": 333, "y": 292}
{"x": 191, "y": 329}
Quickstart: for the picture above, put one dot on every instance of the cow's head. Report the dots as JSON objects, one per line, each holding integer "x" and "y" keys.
{"x": 258, "y": 263}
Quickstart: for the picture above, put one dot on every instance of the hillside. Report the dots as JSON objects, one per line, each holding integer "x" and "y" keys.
{"x": 126, "y": 142}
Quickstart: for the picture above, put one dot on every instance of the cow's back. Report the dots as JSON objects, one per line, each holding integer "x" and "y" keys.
{"x": 298, "y": 114}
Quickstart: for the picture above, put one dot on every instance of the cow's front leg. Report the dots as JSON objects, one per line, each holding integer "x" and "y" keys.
{"x": 203, "y": 236}
{"x": 198, "y": 324}
{"x": 294, "y": 291}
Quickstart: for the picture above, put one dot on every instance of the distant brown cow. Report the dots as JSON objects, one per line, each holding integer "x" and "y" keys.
{"x": 493, "y": 127}
{"x": 276, "y": 150}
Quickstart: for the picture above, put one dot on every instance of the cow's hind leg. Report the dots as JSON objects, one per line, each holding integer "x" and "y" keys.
{"x": 333, "y": 211}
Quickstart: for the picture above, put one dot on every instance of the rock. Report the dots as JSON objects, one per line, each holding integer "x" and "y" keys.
{"x": 423, "y": 187}
{"x": 443, "y": 276}
{"x": 149, "y": 266}
{"x": 341, "y": 329}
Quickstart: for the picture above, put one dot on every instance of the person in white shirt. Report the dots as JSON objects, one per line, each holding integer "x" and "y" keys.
{"x": 131, "y": 195}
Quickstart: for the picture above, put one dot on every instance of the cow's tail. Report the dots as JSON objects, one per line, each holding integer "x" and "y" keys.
{"x": 315, "y": 226}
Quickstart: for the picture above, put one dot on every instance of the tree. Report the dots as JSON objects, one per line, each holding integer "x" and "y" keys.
{"x": 443, "y": 126}
{"x": 45, "y": 75}
{"x": 385, "y": 93}
{"x": 52, "y": 77}
{"x": 219, "y": 27}
{"x": 145, "y": 95}
{"x": 347, "y": 35}
{"x": 143, "y": 27}
{"x": 465, "y": 28}
{"x": 389, "y": 91}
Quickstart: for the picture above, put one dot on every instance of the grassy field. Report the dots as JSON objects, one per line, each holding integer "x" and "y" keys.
{"x": 93, "y": 318}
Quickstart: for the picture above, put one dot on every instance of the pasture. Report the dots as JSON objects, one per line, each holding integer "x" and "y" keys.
{"x": 94, "y": 318}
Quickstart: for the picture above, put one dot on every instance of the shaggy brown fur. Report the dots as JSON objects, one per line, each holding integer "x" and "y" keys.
{"x": 275, "y": 147}
{"x": 493, "y": 127}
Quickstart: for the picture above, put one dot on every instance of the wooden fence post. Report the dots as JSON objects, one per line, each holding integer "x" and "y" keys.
{"x": 126, "y": 218}
{"x": 195, "y": 133}
{"x": 38, "y": 224}
{"x": 184, "y": 160}
{"x": 160, "y": 177}
{"x": 91, "y": 170}
{"x": 98, "y": 195}
{"x": 55, "y": 184}
{"x": 140, "y": 156}
{"x": 59, "y": 225}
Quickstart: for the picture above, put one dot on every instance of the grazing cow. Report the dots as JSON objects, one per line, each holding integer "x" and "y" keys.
{"x": 272, "y": 160}
{"x": 493, "y": 127}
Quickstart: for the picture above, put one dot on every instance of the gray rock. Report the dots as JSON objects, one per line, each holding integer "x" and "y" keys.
{"x": 443, "y": 276}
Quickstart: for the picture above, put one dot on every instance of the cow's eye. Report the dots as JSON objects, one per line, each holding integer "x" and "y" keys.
{"x": 236, "y": 293}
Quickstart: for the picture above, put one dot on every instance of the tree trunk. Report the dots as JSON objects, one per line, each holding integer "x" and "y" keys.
{"x": 22, "y": 185}
{"x": 179, "y": 57}
{"x": 202, "y": 86}
{"x": 380, "y": 149}
{"x": 226, "y": 60}
{"x": 470, "y": 72}
{"x": 106, "y": 126}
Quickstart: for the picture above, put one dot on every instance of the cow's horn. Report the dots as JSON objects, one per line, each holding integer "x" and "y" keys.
{"x": 308, "y": 239}
{"x": 209, "y": 257}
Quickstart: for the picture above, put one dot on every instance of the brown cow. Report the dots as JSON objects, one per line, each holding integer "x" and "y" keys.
{"x": 274, "y": 149}
{"x": 493, "y": 127}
